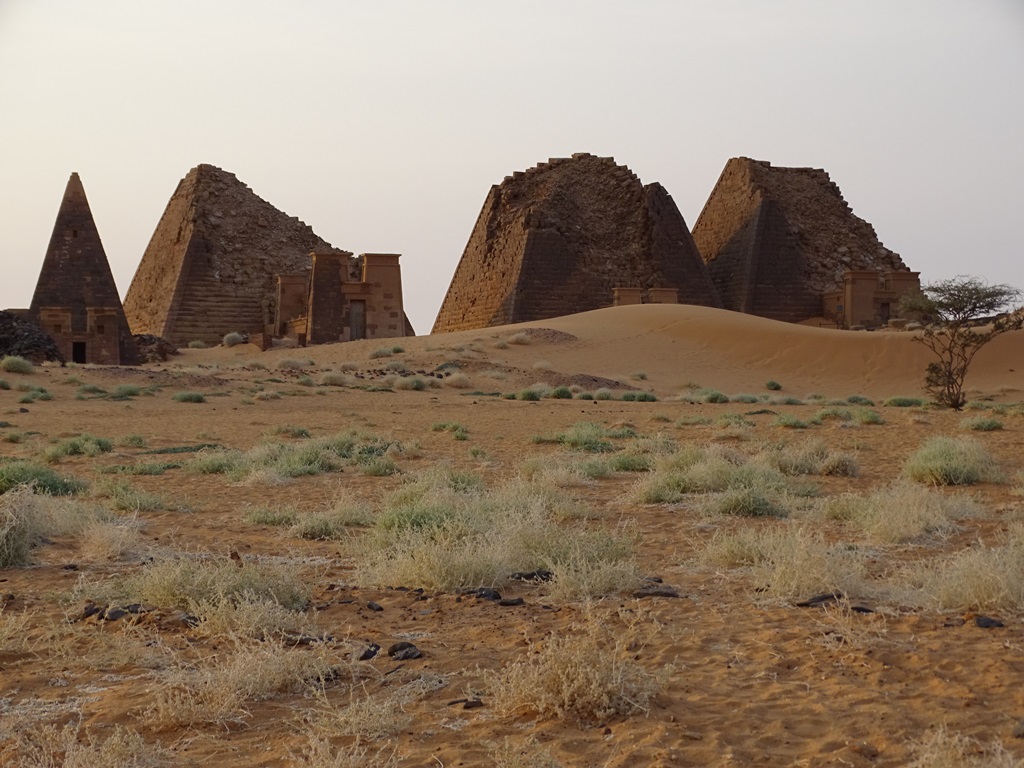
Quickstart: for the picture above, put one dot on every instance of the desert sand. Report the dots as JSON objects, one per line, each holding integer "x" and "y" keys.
{"x": 739, "y": 673}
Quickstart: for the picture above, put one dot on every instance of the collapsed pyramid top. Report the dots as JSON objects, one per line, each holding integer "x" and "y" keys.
{"x": 560, "y": 237}
{"x": 775, "y": 239}
{"x": 210, "y": 266}
{"x": 75, "y": 275}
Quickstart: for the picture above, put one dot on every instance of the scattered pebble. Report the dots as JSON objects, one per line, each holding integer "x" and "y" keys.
{"x": 403, "y": 651}
{"x": 374, "y": 606}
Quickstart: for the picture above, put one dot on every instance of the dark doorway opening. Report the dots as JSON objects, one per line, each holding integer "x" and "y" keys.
{"x": 357, "y": 319}
{"x": 78, "y": 351}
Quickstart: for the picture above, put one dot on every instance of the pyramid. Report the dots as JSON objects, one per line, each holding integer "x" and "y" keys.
{"x": 76, "y": 299}
{"x": 559, "y": 238}
{"x": 775, "y": 239}
{"x": 209, "y": 268}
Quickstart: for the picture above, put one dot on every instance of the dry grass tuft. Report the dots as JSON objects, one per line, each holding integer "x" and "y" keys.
{"x": 945, "y": 749}
{"x": 788, "y": 561}
{"x": 899, "y": 512}
{"x": 218, "y": 690}
{"x": 952, "y": 461}
{"x": 44, "y": 746}
{"x": 587, "y": 675}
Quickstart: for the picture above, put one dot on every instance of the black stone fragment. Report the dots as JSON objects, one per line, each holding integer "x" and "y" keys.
{"x": 822, "y": 599}
{"x": 403, "y": 651}
{"x": 510, "y": 601}
{"x": 368, "y": 652}
{"x": 374, "y": 606}
{"x": 987, "y": 622}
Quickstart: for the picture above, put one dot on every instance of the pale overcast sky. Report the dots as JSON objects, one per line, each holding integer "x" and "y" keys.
{"x": 383, "y": 124}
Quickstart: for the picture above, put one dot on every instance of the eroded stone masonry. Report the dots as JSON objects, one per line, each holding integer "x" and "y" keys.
{"x": 561, "y": 237}
{"x": 76, "y": 300}
{"x": 783, "y": 243}
{"x": 219, "y": 256}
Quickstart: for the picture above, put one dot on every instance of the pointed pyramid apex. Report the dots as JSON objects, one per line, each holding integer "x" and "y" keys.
{"x": 75, "y": 191}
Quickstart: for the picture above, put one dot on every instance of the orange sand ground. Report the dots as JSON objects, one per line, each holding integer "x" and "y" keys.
{"x": 756, "y": 681}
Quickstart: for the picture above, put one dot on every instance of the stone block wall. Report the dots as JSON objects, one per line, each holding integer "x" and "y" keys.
{"x": 210, "y": 266}
{"x": 560, "y": 237}
{"x": 75, "y": 299}
{"x": 775, "y": 239}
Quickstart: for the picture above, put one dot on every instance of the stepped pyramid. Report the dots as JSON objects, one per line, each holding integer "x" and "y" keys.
{"x": 775, "y": 239}
{"x": 560, "y": 237}
{"x": 210, "y": 266}
{"x": 76, "y": 299}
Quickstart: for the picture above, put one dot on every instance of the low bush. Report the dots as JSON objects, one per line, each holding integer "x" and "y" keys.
{"x": 197, "y": 344}
{"x": 233, "y": 339}
{"x": 904, "y": 402}
{"x": 381, "y": 352}
{"x": 603, "y": 393}
{"x": 859, "y": 400}
{"x": 16, "y": 364}
{"x": 773, "y": 385}
{"x": 188, "y": 397}
{"x": 42, "y": 479}
{"x": 746, "y": 502}
{"x": 83, "y": 445}
{"x": 588, "y": 675}
{"x": 293, "y": 364}
{"x": 560, "y": 393}
{"x": 981, "y": 424}
{"x": 790, "y": 421}
{"x": 951, "y": 461}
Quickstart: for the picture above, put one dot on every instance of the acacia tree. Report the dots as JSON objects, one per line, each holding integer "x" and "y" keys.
{"x": 956, "y": 311}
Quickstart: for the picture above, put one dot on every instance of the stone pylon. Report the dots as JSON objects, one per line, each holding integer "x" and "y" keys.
{"x": 76, "y": 299}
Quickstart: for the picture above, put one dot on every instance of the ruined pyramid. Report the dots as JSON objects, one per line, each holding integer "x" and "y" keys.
{"x": 560, "y": 237}
{"x": 76, "y": 299}
{"x": 209, "y": 268}
{"x": 775, "y": 239}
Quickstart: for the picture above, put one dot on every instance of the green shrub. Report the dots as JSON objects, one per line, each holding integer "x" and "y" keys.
{"x": 786, "y": 401}
{"x": 381, "y": 352}
{"x": 603, "y": 393}
{"x": 189, "y": 397}
{"x": 981, "y": 424}
{"x": 773, "y": 385}
{"x": 232, "y": 339}
{"x": 903, "y": 402}
{"x": 584, "y": 395}
{"x": 271, "y": 516}
{"x": 16, "y": 364}
{"x": 646, "y": 397}
{"x": 638, "y": 376}
{"x": 42, "y": 479}
{"x": 712, "y": 396}
{"x": 867, "y": 416}
{"x": 746, "y": 502}
{"x": 628, "y": 397}
{"x": 743, "y": 398}
{"x": 125, "y": 391}
{"x": 414, "y": 383}
{"x": 951, "y": 461}
{"x": 4, "y": 384}
{"x": 293, "y": 364}
{"x": 529, "y": 394}
{"x": 790, "y": 421}
{"x": 83, "y": 445}
{"x": 588, "y": 436}
{"x": 560, "y": 393}
{"x": 832, "y": 414}
{"x": 859, "y": 400}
